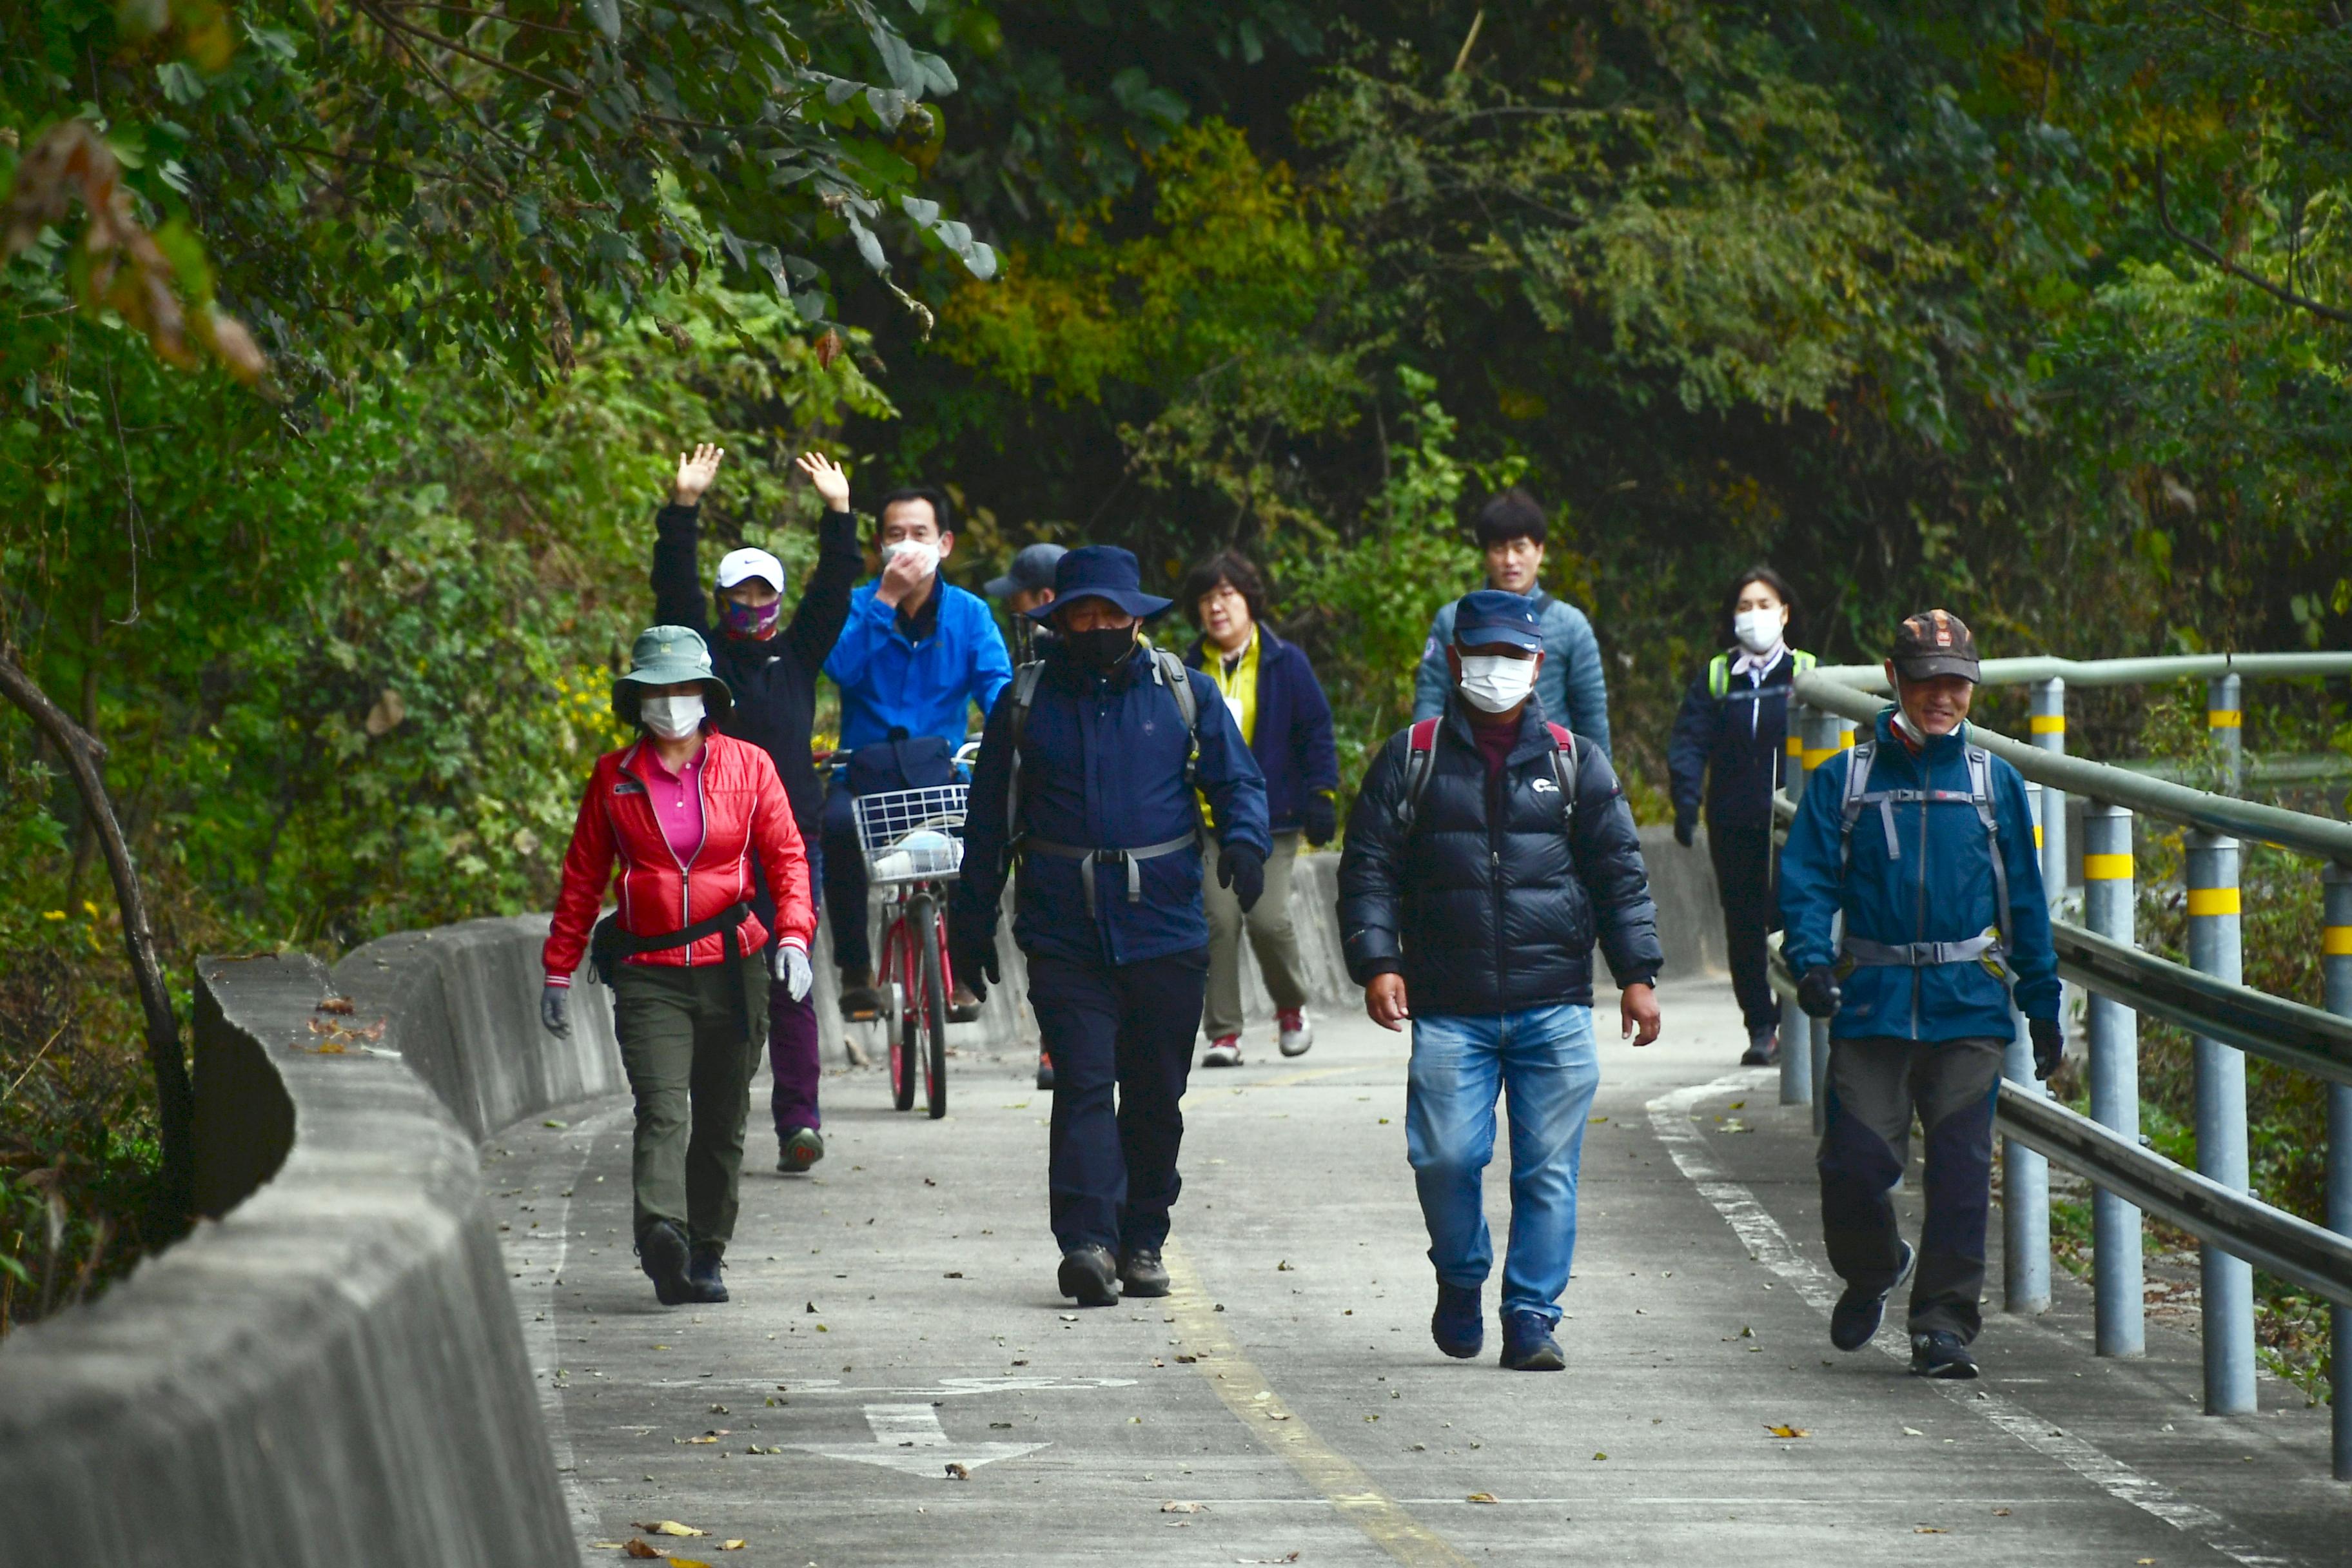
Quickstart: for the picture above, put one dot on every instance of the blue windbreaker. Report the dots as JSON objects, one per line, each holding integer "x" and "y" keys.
{"x": 925, "y": 689}
{"x": 1939, "y": 887}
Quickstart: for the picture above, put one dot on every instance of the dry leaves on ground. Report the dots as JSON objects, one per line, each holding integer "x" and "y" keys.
{"x": 1788, "y": 1431}
{"x": 1490, "y": 1497}
{"x": 957, "y": 1472}
{"x": 1183, "y": 1507}
{"x": 670, "y": 1526}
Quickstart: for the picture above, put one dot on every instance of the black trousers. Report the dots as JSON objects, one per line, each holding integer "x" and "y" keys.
{"x": 1743, "y": 873}
{"x": 844, "y": 879}
{"x": 1128, "y": 1029}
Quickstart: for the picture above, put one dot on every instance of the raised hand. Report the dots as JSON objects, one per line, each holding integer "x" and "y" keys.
{"x": 827, "y": 477}
{"x": 696, "y": 469}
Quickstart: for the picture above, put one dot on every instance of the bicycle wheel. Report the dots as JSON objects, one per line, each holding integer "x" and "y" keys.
{"x": 898, "y": 974}
{"x": 923, "y": 916}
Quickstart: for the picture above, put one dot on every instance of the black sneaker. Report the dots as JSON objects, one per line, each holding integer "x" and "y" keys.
{"x": 1527, "y": 1344}
{"x": 1854, "y": 1320}
{"x": 1044, "y": 1070}
{"x": 1141, "y": 1272}
{"x": 1089, "y": 1275}
{"x": 1763, "y": 1048}
{"x": 1459, "y": 1322}
{"x": 661, "y": 1253}
{"x": 1940, "y": 1354}
{"x": 702, "y": 1276}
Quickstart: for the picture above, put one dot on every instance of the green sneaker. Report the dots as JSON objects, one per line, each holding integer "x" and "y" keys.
{"x": 802, "y": 1149}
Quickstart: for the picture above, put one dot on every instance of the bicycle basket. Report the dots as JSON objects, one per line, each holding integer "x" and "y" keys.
{"x": 912, "y": 834}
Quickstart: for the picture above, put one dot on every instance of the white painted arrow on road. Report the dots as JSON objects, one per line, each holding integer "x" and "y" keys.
{"x": 910, "y": 1437}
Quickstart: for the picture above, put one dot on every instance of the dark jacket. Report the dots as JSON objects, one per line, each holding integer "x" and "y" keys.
{"x": 1732, "y": 747}
{"x": 774, "y": 680}
{"x": 1488, "y": 905}
{"x": 1102, "y": 766}
{"x": 1293, "y": 741}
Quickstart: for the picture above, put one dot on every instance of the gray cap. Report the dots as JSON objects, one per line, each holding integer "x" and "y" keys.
{"x": 1031, "y": 569}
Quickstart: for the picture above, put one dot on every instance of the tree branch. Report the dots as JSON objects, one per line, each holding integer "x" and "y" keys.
{"x": 2221, "y": 262}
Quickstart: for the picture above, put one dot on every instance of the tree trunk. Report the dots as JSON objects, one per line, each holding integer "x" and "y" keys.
{"x": 174, "y": 1100}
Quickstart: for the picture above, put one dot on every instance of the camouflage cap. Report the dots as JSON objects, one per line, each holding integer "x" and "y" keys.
{"x": 1935, "y": 642}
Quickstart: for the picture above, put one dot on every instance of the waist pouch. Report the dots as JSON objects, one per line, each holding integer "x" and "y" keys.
{"x": 916, "y": 761}
{"x": 608, "y": 944}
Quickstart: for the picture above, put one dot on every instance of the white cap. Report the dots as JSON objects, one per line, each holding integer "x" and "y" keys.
{"x": 741, "y": 564}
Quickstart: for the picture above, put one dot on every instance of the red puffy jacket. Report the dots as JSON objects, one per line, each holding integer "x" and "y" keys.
{"x": 743, "y": 810}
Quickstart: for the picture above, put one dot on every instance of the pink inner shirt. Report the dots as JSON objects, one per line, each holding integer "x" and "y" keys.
{"x": 677, "y": 801}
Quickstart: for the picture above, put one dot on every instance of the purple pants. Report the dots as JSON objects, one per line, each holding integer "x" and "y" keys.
{"x": 792, "y": 1057}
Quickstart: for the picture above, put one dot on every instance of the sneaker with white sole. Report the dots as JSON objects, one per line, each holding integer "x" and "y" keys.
{"x": 1296, "y": 1033}
{"x": 1225, "y": 1051}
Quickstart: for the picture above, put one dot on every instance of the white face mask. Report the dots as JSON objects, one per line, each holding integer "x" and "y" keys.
{"x": 927, "y": 555}
{"x": 1496, "y": 684}
{"x": 1758, "y": 631}
{"x": 672, "y": 718}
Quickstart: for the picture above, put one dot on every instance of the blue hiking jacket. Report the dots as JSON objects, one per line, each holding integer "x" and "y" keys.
{"x": 1938, "y": 887}
{"x": 924, "y": 688}
{"x": 1102, "y": 766}
{"x": 1572, "y": 687}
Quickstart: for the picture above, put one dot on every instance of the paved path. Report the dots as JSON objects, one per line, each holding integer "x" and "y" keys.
{"x": 895, "y": 1313}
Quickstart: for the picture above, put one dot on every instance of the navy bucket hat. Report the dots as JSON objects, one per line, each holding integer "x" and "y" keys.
{"x": 1101, "y": 572}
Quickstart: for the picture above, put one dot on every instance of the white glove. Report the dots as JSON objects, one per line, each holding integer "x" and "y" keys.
{"x": 790, "y": 967}
{"x": 552, "y": 1015}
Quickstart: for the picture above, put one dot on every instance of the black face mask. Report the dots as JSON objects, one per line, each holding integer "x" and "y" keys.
{"x": 1101, "y": 649}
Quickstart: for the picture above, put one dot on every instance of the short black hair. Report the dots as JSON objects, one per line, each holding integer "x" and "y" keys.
{"x": 1759, "y": 572}
{"x": 1514, "y": 514}
{"x": 1229, "y": 566}
{"x": 942, "y": 509}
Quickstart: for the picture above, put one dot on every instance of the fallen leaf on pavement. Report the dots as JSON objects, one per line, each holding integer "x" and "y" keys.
{"x": 953, "y": 1274}
{"x": 1286, "y": 1557}
{"x": 1188, "y": 1360}
{"x": 672, "y": 1527}
{"x": 336, "y": 1004}
{"x": 1183, "y": 1507}
{"x": 635, "y": 1548}
{"x": 1788, "y": 1431}
{"x": 1488, "y": 1497}
{"x": 1913, "y": 1432}
{"x": 1600, "y": 1455}
{"x": 957, "y": 1472}
{"x": 755, "y": 1448}
{"x": 1929, "y": 1529}
{"x": 2000, "y": 1513}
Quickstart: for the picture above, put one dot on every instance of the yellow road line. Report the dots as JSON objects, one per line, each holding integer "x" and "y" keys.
{"x": 1239, "y": 1383}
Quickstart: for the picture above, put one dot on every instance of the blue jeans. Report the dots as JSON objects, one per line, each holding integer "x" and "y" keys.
{"x": 1544, "y": 1058}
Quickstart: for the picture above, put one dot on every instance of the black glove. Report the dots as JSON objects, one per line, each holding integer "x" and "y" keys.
{"x": 1243, "y": 869}
{"x": 2049, "y": 1045}
{"x": 1321, "y": 819}
{"x": 1685, "y": 828}
{"x": 972, "y": 956}
{"x": 1817, "y": 991}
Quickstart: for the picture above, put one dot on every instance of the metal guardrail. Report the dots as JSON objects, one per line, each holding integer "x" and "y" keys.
{"x": 2288, "y": 1033}
{"x": 2120, "y": 671}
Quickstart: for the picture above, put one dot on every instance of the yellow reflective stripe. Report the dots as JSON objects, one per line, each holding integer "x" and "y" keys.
{"x": 2335, "y": 942}
{"x": 1845, "y": 740}
{"x": 1796, "y": 747}
{"x": 2212, "y": 901}
{"x": 2048, "y": 723}
{"x": 1814, "y": 759}
{"x": 2223, "y": 718}
{"x": 2106, "y": 868}
{"x": 2037, "y": 835}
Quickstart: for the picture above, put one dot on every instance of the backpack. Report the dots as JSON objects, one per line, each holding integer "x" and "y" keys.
{"x": 1167, "y": 671}
{"x": 1858, "y": 794}
{"x": 1718, "y": 678}
{"x": 1421, "y": 753}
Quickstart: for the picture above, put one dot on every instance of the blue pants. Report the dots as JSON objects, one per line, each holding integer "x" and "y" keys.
{"x": 1544, "y": 1060}
{"x": 1129, "y": 1027}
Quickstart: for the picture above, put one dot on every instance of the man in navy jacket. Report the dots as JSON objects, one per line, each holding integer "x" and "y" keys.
{"x": 1109, "y": 913}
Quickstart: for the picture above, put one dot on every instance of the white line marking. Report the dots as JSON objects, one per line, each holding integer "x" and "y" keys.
{"x": 908, "y": 1437}
{"x": 1769, "y": 1245}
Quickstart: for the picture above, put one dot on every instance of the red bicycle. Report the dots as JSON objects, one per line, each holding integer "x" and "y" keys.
{"x": 913, "y": 844}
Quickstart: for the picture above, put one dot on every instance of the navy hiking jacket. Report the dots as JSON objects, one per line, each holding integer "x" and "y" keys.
{"x": 1102, "y": 768}
{"x": 1936, "y": 885}
{"x": 1490, "y": 903}
{"x": 1293, "y": 742}
{"x": 1730, "y": 748}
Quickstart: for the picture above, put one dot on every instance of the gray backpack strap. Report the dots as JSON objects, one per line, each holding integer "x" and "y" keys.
{"x": 1857, "y": 784}
{"x": 1980, "y": 794}
{"x": 1169, "y": 670}
{"x": 1025, "y": 695}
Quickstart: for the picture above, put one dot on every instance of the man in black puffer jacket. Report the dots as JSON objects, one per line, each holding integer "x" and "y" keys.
{"x": 1487, "y": 852}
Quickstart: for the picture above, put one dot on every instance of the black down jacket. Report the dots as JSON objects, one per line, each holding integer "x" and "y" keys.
{"x": 1487, "y": 906}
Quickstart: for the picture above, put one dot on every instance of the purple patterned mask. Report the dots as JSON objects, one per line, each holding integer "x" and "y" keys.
{"x": 750, "y": 620}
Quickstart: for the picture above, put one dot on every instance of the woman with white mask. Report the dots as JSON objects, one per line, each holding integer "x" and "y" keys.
{"x": 1727, "y": 750}
{"x": 680, "y": 812}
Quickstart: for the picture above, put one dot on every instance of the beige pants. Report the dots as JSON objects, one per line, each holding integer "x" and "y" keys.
{"x": 1270, "y": 933}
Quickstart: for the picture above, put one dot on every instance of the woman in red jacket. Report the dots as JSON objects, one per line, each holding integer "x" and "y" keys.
{"x": 682, "y": 809}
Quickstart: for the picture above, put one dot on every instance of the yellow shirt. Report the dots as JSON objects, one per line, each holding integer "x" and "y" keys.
{"x": 1238, "y": 687}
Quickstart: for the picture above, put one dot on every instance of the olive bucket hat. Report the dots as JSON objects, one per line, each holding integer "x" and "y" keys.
{"x": 663, "y": 656}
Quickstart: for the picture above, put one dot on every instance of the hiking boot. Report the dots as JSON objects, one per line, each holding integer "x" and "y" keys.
{"x": 1527, "y": 1344}
{"x": 859, "y": 1000}
{"x": 1044, "y": 1070}
{"x": 702, "y": 1276}
{"x": 1225, "y": 1051}
{"x": 1294, "y": 1033}
{"x": 1141, "y": 1272}
{"x": 661, "y": 1253}
{"x": 804, "y": 1148}
{"x": 1940, "y": 1354}
{"x": 1854, "y": 1322}
{"x": 1763, "y": 1048}
{"x": 962, "y": 1005}
{"x": 1459, "y": 1323}
{"x": 1090, "y": 1275}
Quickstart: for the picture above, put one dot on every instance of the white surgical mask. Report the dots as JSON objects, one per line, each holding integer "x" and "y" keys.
{"x": 1496, "y": 684}
{"x": 925, "y": 553}
{"x": 1758, "y": 631}
{"x": 672, "y": 718}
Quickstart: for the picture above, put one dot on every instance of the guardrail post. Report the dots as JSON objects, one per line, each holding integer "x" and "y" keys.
{"x": 2024, "y": 1173}
{"x": 2228, "y": 1282}
{"x": 2113, "y": 1032}
{"x": 1824, "y": 735}
{"x": 2225, "y": 718}
{"x": 1796, "y": 1037}
{"x": 2335, "y": 970}
{"x": 2049, "y": 733}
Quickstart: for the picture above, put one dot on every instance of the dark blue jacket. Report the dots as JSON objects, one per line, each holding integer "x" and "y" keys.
{"x": 1939, "y": 887}
{"x": 1102, "y": 766}
{"x": 890, "y": 682}
{"x": 1490, "y": 904}
{"x": 1730, "y": 748}
{"x": 1293, "y": 742}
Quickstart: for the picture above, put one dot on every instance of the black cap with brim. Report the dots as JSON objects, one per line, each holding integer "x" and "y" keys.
{"x": 1929, "y": 666}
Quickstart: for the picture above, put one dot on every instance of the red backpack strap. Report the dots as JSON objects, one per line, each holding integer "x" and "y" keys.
{"x": 1420, "y": 755}
{"x": 1423, "y": 735}
{"x": 1563, "y": 768}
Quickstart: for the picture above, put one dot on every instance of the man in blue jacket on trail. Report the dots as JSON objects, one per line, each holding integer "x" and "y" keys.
{"x": 916, "y": 655}
{"x": 1572, "y": 687}
{"x": 1088, "y": 771}
{"x": 1924, "y": 842}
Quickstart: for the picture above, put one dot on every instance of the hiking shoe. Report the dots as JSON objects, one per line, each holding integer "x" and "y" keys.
{"x": 1141, "y": 1272}
{"x": 1527, "y": 1344}
{"x": 1763, "y": 1048}
{"x": 1459, "y": 1323}
{"x": 1294, "y": 1033}
{"x": 1044, "y": 1070}
{"x": 1089, "y": 1275}
{"x": 962, "y": 1005}
{"x": 804, "y": 1148}
{"x": 1225, "y": 1051}
{"x": 661, "y": 1253}
{"x": 703, "y": 1283}
{"x": 1940, "y": 1354}
{"x": 1854, "y": 1322}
